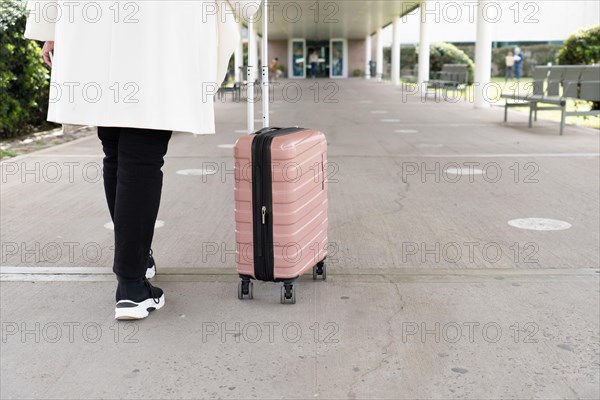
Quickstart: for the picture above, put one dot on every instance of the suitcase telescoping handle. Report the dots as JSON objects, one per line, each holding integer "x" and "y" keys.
{"x": 265, "y": 69}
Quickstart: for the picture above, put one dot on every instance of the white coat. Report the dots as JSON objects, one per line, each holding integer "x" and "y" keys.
{"x": 140, "y": 64}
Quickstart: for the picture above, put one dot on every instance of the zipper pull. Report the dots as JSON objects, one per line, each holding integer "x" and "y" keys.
{"x": 264, "y": 215}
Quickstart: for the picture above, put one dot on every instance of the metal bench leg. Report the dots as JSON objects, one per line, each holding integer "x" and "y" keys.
{"x": 532, "y": 106}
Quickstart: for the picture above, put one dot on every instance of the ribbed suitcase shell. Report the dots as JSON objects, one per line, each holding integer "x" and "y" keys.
{"x": 299, "y": 211}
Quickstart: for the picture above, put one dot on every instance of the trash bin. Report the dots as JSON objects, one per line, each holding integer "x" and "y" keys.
{"x": 373, "y": 68}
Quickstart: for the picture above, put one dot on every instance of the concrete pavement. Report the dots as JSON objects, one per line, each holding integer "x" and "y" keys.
{"x": 431, "y": 292}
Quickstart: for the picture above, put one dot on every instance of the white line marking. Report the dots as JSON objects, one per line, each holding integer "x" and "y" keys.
{"x": 464, "y": 171}
{"x": 414, "y": 155}
{"x": 379, "y": 112}
{"x": 449, "y": 124}
{"x": 406, "y": 131}
{"x": 527, "y": 155}
{"x": 509, "y": 155}
{"x": 196, "y": 172}
{"x": 55, "y": 278}
{"x": 55, "y": 270}
{"x": 390, "y": 120}
{"x": 50, "y": 155}
{"x": 539, "y": 224}
{"x": 104, "y": 274}
{"x": 226, "y": 146}
{"x": 157, "y": 224}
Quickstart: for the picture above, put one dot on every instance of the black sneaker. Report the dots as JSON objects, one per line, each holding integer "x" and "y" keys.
{"x": 135, "y": 300}
{"x": 150, "y": 266}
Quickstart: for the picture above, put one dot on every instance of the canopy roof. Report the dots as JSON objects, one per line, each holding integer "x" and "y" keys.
{"x": 326, "y": 19}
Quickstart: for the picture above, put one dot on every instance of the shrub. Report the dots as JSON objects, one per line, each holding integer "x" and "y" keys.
{"x": 23, "y": 77}
{"x": 440, "y": 54}
{"x": 446, "y": 53}
{"x": 408, "y": 58}
{"x": 582, "y": 47}
{"x": 357, "y": 73}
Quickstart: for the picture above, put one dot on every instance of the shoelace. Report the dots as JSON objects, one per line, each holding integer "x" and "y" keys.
{"x": 151, "y": 289}
{"x": 151, "y": 259}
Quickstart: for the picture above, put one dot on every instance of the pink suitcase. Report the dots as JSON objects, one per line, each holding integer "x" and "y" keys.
{"x": 280, "y": 207}
{"x": 280, "y": 197}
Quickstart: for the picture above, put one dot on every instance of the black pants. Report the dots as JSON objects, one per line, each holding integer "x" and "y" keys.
{"x": 133, "y": 184}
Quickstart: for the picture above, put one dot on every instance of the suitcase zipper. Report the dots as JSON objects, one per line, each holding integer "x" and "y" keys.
{"x": 262, "y": 199}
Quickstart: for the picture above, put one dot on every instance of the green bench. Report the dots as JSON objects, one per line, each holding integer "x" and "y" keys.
{"x": 452, "y": 76}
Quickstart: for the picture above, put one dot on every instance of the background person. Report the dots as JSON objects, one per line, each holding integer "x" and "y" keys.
{"x": 510, "y": 63}
{"x": 274, "y": 68}
{"x": 518, "y": 57}
{"x": 314, "y": 63}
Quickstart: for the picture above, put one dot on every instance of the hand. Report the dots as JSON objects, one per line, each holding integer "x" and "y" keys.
{"x": 46, "y": 50}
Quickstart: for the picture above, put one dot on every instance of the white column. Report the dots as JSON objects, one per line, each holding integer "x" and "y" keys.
{"x": 239, "y": 57}
{"x": 424, "y": 44}
{"x": 483, "y": 57}
{"x": 368, "y": 55}
{"x": 396, "y": 53}
{"x": 379, "y": 54}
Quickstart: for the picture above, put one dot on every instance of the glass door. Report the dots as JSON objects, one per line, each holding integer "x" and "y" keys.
{"x": 297, "y": 52}
{"x": 338, "y": 57}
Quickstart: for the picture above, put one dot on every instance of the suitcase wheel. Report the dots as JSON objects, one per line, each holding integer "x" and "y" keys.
{"x": 320, "y": 270}
{"x": 288, "y": 293}
{"x": 245, "y": 288}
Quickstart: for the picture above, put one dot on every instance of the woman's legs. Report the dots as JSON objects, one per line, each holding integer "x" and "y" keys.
{"x": 139, "y": 187}
{"x": 133, "y": 185}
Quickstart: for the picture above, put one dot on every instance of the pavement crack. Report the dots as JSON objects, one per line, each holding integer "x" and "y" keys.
{"x": 386, "y": 349}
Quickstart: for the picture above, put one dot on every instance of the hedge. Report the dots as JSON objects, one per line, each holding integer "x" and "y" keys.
{"x": 440, "y": 54}
{"x": 24, "y": 83}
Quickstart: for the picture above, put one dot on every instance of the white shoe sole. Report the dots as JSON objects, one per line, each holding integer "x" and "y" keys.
{"x": 150, "y": 272}
{"x": 127, "y": 309}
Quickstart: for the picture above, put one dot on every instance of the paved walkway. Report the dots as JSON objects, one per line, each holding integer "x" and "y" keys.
{"x": 431, "y": 292}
